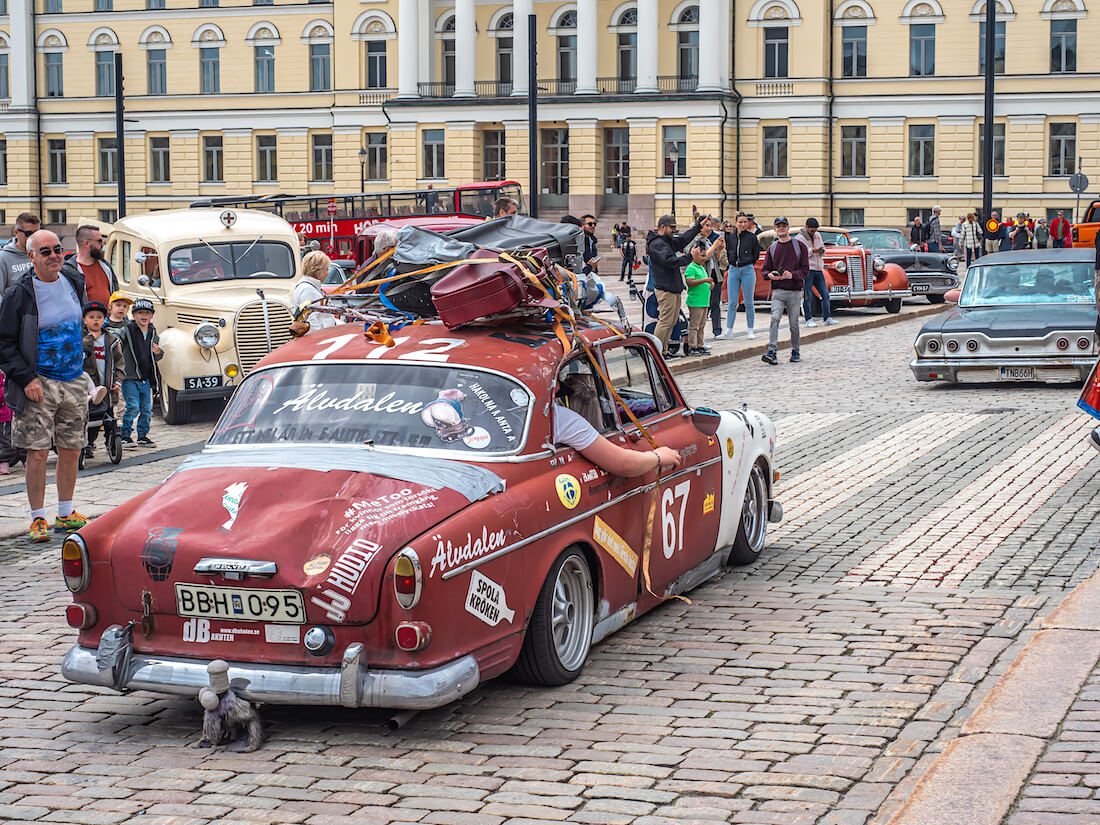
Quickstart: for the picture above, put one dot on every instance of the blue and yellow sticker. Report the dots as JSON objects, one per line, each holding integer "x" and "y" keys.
{"x": 569, "y": 490}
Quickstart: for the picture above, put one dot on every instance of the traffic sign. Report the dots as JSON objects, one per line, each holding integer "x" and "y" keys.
{"x": 992, "y": 225}
{"x": 1078, "y": 183}
{"x": 332, "y": 207}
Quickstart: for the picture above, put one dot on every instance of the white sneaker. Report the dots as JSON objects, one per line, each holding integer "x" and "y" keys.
{"x": 831, "y": 321}
{"x": 749, "y": 334}
{"x": 726, "y": 334}
{"x": 810, "y": 322}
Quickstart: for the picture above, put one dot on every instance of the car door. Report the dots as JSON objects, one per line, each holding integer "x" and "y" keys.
{"x": 684, "y": 527}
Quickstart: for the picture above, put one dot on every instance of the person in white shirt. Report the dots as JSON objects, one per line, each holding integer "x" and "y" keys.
{"x": 574, "y": 430}
{"x": 315, "y": 268}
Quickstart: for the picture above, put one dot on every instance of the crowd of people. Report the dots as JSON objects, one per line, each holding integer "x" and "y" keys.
{"x": 971, "y": 238}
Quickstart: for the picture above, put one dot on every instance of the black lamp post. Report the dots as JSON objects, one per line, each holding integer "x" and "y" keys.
{"x": 674, "y": 155}
{"x": 362, "y": 170}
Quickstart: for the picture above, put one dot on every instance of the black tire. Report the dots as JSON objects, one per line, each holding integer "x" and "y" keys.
{"x": 936, "y": 299}
{"x": 894, "y": 306}
{"x": 540, "y": 661}
{"x": 114, "y": 448}
{"x": 174, "y": 410}
{"x": 752, "y": 527}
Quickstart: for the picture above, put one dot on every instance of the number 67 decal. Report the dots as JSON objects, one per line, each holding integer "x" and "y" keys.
{"x": 672, "y": 531}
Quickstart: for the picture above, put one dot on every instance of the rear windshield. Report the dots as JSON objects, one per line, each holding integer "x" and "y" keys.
{"x": 201, "y": 263}
{"x": 1038, "y": 283}
{"x": 403, "y": 406}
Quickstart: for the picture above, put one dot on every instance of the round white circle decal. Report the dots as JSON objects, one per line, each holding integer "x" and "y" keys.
{"x": 478, "y": 439}
{"x": 518, "y": 396}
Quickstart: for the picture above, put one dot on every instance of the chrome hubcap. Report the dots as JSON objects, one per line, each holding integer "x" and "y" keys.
{"x": 571, "y": 613}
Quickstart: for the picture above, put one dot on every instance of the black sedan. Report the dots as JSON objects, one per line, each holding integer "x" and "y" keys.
{"x": 1022, "y": 316}
{"x": 930, "y": 273}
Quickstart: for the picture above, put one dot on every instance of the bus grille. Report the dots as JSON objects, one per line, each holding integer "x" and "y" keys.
{"x": 250, "y": 336}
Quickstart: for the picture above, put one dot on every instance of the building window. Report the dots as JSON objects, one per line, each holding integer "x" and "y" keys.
{"x": 853, "y": 151}
{"x": 54, "y": 81}
{"x": 998, "y": 148}
{"x": 567, "y": 63}
{"x": 922, "y": 150}
{"x": 5, "y": 78}
{"x": 160, "y": 165}
{"x": 504, "y": 63}
{"x": 775, "y": 151}
{"x": 376, "y": 64}
{"x": 154, "y": 4}
{"x": 628, "y": 61}
{"x": 53, "y": 6}
{"x": 263, "y": 2}
{"x": 108, "y": 160}
{"x": 1052, "y": 213}
{"x": 775, "y": 52}
{"x": 108, "y": 215}
{"x": 555, "y": 161}
{"x": 687, "y": 51}
{"x": 264, "y": 62}
{"x": 434, "y": 165}
{"x": 616, "y": 142}
{"x": 376, "y": 156}
{"x": 493, "y": 141}
{"x": 57, "y": 216}
{"x": 210, "y": 71}
{"x": 157, "y": 60}
{"x": 998, "y": 48}
{"x": 851, "y": 217}
{"x": 1063, "y": 148}
{"x": 104, "y": 74}
{"x": 1063, "y": 46}
{"x": 922, "y": 50}
{"x": 322, "y": 158}
{"x": 3, "y": 162}
{"x": 853, "y": 51}
{"x": 320, "y": 67}
{"x": 447, "y": 46}
{"x": 212, "y": 169}
{"x": 267, "y": 167}
{"x": 56, "y": 157}
{"x": 208, "y": 3}
{"x": 104, "y": 5}
{"x": 674, "y": 135}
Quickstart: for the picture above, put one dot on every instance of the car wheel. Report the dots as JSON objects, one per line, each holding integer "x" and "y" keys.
{"x": 559, "y": 634}
{"x": 894, "y": 306}
{"x": 753, "y": 526}
{"x": 936, "y": 299}
{"x": 114, "y": 448}
{"x": 173, "y": 410}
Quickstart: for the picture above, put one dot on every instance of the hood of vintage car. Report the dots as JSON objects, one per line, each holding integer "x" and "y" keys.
{"x": 304, "y": 521}
{"x": 1032, "y": 321}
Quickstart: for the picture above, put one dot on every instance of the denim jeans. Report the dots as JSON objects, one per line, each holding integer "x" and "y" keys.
{"x": 933, "y": 246}
{"x": 816, "y": 278}
{"x": 139, "y": 405}
{"x": 627, "y": 268}
{"x": 743, "y": 279}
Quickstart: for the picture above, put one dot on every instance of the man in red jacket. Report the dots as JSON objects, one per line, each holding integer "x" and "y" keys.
{"x": 1059, "y": 231}
{"x": 786, "y": 265}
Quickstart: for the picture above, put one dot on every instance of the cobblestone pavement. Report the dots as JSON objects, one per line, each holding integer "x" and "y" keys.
{"x": 927, "y": 529}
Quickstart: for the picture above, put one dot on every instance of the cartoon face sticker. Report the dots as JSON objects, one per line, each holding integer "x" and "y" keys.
{"x": 444, "y": 415}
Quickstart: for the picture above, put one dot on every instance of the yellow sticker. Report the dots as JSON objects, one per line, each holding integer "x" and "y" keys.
{"x": 569, "y": 490}
{"x": 729, "y": 447}
{"x": 710, "y": 440}
{"x": 317, "y": 565}
{"x": 708, "y": 503}
{"x": 615, "y": 545}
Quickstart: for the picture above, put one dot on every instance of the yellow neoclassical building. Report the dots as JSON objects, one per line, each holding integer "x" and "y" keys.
{"x": 855, "y": 111}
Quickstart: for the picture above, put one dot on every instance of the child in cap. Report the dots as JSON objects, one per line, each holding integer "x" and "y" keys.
{"x": 103, "y": 363}
{"x": 118, "y": 308}
{"x": 141, "y": 350}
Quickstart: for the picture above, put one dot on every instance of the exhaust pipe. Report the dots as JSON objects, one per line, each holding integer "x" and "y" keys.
{"x": 400, "y": 719}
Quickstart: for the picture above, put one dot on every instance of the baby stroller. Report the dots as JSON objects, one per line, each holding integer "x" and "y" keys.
{"x": 101, "y": 416}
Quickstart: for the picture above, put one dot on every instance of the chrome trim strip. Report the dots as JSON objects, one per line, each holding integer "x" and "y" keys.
{"x": 993, "y": 362}
{"x": 503, "y": 551}
{"x": 236, "y": 569}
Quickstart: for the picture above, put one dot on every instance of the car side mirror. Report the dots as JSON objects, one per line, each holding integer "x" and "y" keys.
{"x": 952, "y": 295}
{"x": 706, "y": 420}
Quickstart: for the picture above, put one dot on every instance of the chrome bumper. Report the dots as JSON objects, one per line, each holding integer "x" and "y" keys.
{"x": 352, "y": 685}
{"x": 917, "y": 278}
{"x": 871, "y": 295}
{"x": 947, "y": 369}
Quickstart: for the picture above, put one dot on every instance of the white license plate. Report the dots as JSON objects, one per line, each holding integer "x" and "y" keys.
{"x": 1017, "y": 373}
{"x": 212, "y": 602}
{"x": 201, "y": 382}
{"x": 838, "y": 290}
{"x": 920, "y": 288}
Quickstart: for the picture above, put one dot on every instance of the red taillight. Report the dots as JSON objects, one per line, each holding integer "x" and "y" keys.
{"x": 74, "y": 563}
{"x": 81, "y": 616}
{"x": 413, "y": 636}
{"x": 407, "y": 579}
{"x": 1062, "y": 343}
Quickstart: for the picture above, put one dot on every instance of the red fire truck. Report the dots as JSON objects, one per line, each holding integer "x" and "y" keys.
{"x": 337, "y": 220}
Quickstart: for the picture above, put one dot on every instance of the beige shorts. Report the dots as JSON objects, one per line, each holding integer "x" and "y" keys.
{"x": 59, "y": 419}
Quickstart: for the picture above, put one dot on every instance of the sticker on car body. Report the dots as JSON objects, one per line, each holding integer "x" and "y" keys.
{"x": 615, "y": 545}
{"x": 487, "y": 600}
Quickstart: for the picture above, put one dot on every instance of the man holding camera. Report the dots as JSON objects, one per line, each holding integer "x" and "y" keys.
{"x": 786, "y": 265}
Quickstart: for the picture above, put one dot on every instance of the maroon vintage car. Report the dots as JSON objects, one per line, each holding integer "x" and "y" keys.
{"x": 389, "y": 527}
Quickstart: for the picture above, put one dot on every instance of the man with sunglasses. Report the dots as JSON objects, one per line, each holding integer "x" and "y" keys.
{"x": 589, "y": 252}
{"x": 42, "y": 355}
{"x": 99, "y": 279}
{"x": 14, "y": 262}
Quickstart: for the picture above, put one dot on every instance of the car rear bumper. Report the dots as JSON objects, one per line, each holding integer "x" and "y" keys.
{"x": 115, "y": 665}
{"x": 982, "y": 370}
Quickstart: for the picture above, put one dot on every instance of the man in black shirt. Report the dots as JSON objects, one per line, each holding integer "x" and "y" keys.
{"x": 1020, "y": 235}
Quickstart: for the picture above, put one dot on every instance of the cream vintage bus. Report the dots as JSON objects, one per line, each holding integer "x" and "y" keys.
{"x": 221, "y": 281}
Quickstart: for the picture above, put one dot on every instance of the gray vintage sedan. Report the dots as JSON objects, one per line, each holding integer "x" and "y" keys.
{"x": 1022, "y": 316}
{"x": 931, "y": 274}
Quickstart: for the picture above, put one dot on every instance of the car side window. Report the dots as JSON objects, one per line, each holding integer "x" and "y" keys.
{"x": 123, "y": 259}
{"x": 583, "y": 391}
{"x": 637, "y": 381}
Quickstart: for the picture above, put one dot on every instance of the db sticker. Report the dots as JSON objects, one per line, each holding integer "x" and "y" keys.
{"x": 317, "y": 565}
{"x": 729, "y": 447}
{"x": 569, "y": 490}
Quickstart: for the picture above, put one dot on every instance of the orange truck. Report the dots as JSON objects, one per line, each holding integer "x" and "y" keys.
{"x": 1084, "y": 233}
